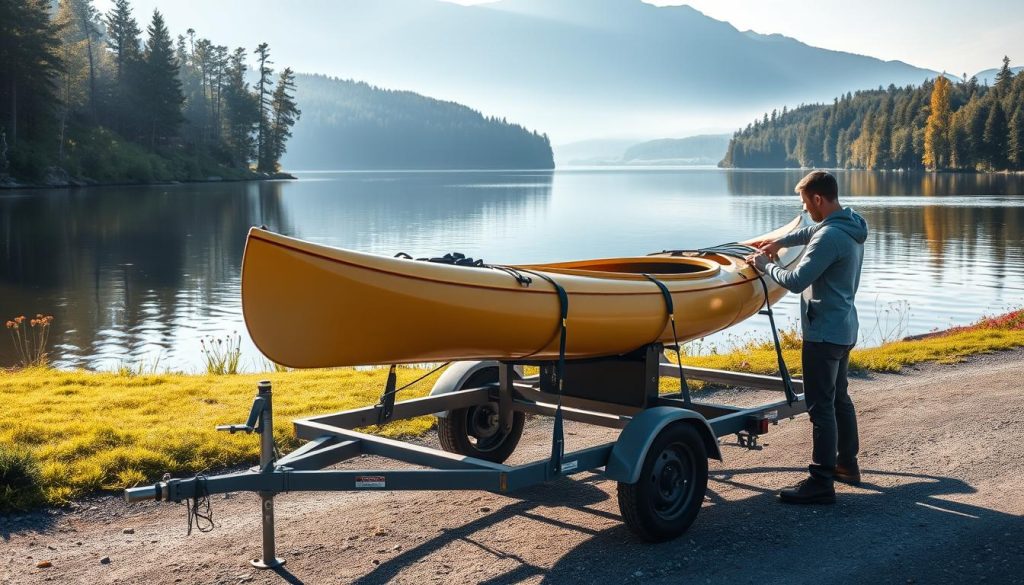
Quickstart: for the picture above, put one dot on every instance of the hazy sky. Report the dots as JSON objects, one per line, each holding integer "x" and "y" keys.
{"x": 950, "y": 35}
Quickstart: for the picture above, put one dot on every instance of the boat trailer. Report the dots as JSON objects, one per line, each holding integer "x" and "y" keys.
{"x": 660, "y": 458}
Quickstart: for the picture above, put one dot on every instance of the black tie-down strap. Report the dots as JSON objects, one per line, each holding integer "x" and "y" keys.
{"x": 741, "y": 251}
{"x": 557, "y": 433}
{"x": 460, "y": 259}
{"x": 787, "y": 382}
{"x": 684, "y": 388}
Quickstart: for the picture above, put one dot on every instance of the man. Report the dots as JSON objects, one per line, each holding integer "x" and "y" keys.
{"x": 827, "y": 278}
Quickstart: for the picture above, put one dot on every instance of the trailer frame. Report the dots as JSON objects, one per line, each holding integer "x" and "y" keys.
{"x": 642, "y": 412}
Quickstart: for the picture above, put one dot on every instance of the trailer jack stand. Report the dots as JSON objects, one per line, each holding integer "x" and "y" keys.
{"x": 261, "y": 420}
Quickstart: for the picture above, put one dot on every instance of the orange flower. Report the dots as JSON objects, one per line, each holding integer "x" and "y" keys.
{"x": 11, "y": 324}
{"x": 19, "y": 319}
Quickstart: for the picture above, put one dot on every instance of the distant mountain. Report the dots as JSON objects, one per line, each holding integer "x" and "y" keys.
{"x": 989, "y": 75}
{"x": 705, "y": 149}
{"x": 575, "y": 69}
{"x": 353, "y": 125}
{"x": 589, "y": 152}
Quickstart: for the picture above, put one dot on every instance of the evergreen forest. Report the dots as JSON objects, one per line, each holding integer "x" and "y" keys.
{"x": 939, "y": 125}
{"x": 107, "y": 98}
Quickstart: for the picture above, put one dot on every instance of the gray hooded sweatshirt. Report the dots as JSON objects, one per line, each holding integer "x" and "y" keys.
{"x": 827, "y": 277}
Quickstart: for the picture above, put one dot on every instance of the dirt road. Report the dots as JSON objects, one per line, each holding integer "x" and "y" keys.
{"x": 942, "y": 502}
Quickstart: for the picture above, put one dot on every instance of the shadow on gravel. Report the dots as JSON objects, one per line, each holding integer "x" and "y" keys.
{"x": 38, "y": 521}
{"x": 894, "y": 528}
{"x": 574, "y": 494}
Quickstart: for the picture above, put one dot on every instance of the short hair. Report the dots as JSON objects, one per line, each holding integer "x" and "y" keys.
{"x": 819, "y": 183}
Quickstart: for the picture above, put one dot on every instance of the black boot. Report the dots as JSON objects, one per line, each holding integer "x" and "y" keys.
{"x": 848, "y": 474}
{"x": 809, "y": 491}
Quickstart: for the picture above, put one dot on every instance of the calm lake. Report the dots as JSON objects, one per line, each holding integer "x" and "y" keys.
{"x": 145, "y": 273}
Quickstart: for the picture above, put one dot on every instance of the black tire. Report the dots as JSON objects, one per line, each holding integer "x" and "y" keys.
{"x": 665, "y": 501}
{"x": 475, "y": 431}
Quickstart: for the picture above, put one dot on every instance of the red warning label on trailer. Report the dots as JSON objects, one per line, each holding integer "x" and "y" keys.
{"x": 370, "y": 481}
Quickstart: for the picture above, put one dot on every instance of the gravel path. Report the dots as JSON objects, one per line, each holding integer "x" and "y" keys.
{"x": 942, "y": 502}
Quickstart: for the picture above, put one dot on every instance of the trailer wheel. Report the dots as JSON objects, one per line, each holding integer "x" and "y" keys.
{"x": 476, "y": 431}
{"x": 663, "y": 503}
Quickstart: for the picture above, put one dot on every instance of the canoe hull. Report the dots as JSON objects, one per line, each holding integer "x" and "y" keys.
{"x": 313, "y": 306}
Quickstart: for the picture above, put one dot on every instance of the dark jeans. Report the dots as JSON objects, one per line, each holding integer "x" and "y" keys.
{"x": 829, "y": 406}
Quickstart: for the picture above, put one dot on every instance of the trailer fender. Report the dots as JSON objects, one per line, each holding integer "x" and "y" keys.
{"x": 630, "y": 450}
{"x": 455, "y": 378}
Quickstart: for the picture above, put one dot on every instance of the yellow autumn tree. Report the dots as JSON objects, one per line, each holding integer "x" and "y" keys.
{"x": 936, "y": 130}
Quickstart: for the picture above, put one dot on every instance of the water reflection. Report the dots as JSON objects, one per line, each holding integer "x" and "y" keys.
{"x": 881, "y": 183}
{"x": 134, "y": 272}
{"x": 122, "y": 269}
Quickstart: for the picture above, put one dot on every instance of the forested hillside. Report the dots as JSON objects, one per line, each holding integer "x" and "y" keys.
{"x": 351, "y": 125}
{"x": 939, "y": 125}
{"x": 94, "y": 96}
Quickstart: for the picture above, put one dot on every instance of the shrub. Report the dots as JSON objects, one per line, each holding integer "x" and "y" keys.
{"x": 20, "y": 480}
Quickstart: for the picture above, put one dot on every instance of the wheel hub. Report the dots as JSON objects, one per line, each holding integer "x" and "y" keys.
{"x": 483, "y": 422}
{"x": 672, "y": 479}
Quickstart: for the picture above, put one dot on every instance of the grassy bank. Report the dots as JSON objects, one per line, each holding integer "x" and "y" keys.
{"x": 65, "y": 434}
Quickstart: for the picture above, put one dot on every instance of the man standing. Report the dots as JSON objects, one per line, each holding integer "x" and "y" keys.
{"x": 827, "y": 278}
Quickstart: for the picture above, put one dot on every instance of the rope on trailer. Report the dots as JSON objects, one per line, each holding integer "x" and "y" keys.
{"x": 684, "y": 388}
{"x": 387, "y": 398}
{"x": 397, "y": 390}
{"x": 557, "y": 432}
{"x": 198, "y": 509}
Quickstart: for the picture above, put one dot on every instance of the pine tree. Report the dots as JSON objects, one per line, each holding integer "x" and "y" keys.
{"x": 959, "y": 146}
{"x": 263, "y": 93}
{"x": 125, "y": 41}
{"x": 880, "y": 143}
{"x": 1005, "y": 77}
{"x": 995, "y": 137}
{"x": 284, "y": 114}
{"x": 80, "y": 32}
{"x": 241, "y": 111}
{"x": 161, "y": 90}
{"x": 936, "y": 145}
{"x": 124, "y": 37}
{"x": 29, "y": 65}
{"x": 1015, "y": 141}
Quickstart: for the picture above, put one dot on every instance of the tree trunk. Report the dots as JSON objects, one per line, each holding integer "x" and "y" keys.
{"x": 92, "y": 79}
{"x": 14, "y": 113}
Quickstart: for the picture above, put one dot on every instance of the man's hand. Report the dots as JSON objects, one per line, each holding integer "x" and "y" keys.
{"x": 769, "y": 247}
{"x": 759, "y": 260}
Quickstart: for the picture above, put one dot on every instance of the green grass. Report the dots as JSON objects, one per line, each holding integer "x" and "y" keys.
{"x": 66, "y": 434}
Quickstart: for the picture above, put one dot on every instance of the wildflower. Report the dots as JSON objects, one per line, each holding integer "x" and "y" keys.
{"x": 11, "y": 324}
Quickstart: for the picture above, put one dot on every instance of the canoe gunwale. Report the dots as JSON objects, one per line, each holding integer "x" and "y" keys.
{"x": 255, "y": 234}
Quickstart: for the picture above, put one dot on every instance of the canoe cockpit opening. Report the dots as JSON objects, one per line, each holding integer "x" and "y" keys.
{"x": 627, "y": 267}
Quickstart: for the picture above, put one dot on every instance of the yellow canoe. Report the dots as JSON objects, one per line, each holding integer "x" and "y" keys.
{"x": 310, "y": 306}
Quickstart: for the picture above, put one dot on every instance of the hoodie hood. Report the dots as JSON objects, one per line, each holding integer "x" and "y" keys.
{"x": 850, "y": 222}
